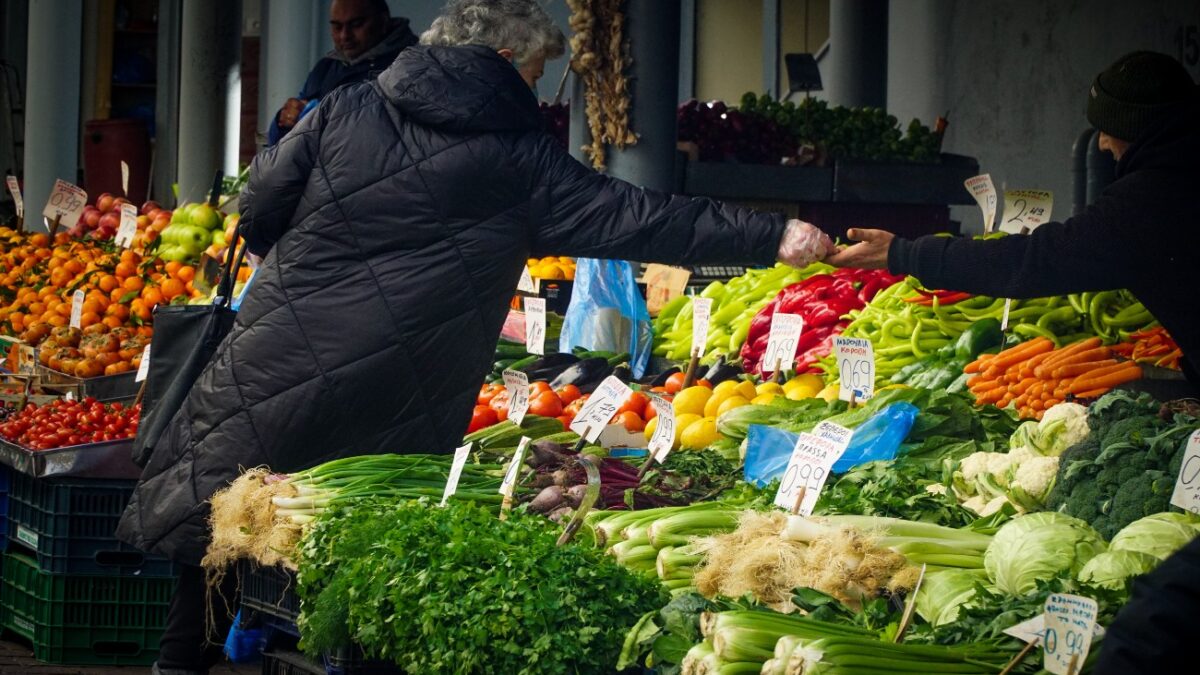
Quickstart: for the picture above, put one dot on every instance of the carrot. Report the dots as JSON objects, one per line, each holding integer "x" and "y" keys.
{"x": 1004, "y": 400}
{"x": 1051, "y": 402}
{"x": 1089, "y": 382}
{"x": 1024, "y": 412}
{"x": 1036, "y": 361}
{"x": 1092, "y": 393}
{"x": 992, "y": 395}
{"x": 977, "y": 365}
{"x": 1023, "y": 386}
{"x": 1035, "y": 390}
{"x": 1103, "y": 370}
{"x": 984, "y": 386}
{"x": 1062, "y": 388}
{"x": 1069, "y": 350}
{"x": 1077, "y": 369}
{"x": 1038, "y": 404}
{"x": 1021, "y": 401}
{"x": 974, "y": 380}
{"x": 1021, "y": 352}
{"x": 992, "y": 372}
{"x": 1078, "y": 357}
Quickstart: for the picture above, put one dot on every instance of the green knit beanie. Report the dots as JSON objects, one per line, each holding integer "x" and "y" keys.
{"x": 1132, "y": 94}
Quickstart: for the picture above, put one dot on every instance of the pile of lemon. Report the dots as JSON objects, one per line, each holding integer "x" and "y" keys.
{"x": 551, "y": 267}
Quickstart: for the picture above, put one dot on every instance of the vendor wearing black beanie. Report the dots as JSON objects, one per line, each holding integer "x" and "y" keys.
{"x": 1142, "y": 234}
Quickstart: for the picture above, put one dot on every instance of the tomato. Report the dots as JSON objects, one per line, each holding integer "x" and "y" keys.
{"x": 632, "y": 422}
{"x": 704, "y": 383}
{"x": 538, "y": 388}
{"x": 568, "y": 394}
{"x": 545, "y": 404}
{"x": 575, "y": 406}
{"x": 636, "y": 403}
{"x": 566, "y": 420}
{"x": 651, "y": 412}
{"x": 499, "y": 404}
{"x": 674, "y": 383}
{"x": 482, "y": 418}
{"x": 488, "y": 392}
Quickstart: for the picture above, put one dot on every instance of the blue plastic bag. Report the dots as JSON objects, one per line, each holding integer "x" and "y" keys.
{"x": 242, "y": 644}
{"x": 607, "y": 312}
{"x": 768, "y": 449}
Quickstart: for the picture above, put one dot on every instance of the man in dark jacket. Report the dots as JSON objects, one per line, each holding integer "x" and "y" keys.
{"x": 366, "y": 39}
{"x": 394, "y": 222}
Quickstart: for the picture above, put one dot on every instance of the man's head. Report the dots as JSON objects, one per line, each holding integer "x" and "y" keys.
{"x": 519, "y": 30}
{"x": 358, "y": 25}
{"x": 1133, "y": 95}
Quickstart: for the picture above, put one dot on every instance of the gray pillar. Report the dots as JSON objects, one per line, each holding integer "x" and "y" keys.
{"x": 51, "y": 100}
{"x": 918, "y": 49}
{"x": 166, "y": 102}
{"x": 210, "y": 55}
{"x": 652, "y": 27}
{"x": 770, "y": 47}
{"x": 857, "y": 71}
{"x": 288, "y": 52}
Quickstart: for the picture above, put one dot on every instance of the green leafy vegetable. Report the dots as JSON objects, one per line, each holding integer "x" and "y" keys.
{"x": 1158, "y": 535}
{"x": 1114, "y": 569}
{"x": 1039, "y": 547}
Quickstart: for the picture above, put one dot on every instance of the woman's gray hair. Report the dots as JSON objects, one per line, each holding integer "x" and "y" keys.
{"x": 520, "y": 25}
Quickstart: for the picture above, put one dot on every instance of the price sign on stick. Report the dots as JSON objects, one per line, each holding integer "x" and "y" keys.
{"x": 535, "y": 325}
{"x": 456, "y": 469}
{"x": 701, "y": 316}
{"x": 510, "y": 477}
{"x": 663, "y": 283}
{"x": 124, "y": 178}
{"x": 66, "y": 203}
{"x": 984, "y": 192}
{"x": 1033, "y": 629}
{"x": 143, "y": 367}
{"x": 517, "y": 385}
{"x": 837, "y": 434}
{"x": 1187, "y": 485}
{"x": 128, "y": 226}
{"x": 664, "y": 430}
{"x": 526, "y": 285}
{"x": 14, "y": 188}
{"x": 856, "y": 368}
{"x": 77, "y": 299}
{"x": 782, "y": 342}
{"x": 1070, "y": 624}
{"x": 807, "y": 470}
{"x": 1026, "y": 209}
{"x": 600, "y": 408}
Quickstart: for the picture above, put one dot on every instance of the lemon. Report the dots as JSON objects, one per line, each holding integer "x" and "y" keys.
{"x": 731, "y": 403}
{"x": 801, "y": 392}
{"x": 725, "y": 388}
{"x": 691, "y": 401}
{"x": 682, "y": 422}
{"x": 532, "y": 262}
{"x": 810, "y": 380}
{"x": 830, "y": 393}
{"x": 552, "y": 271}
{"x": 650, "y": 427}
{"x": 769, "y": 388}
{"x": 715, "y": 401}
{"x": 566, "y": 260}
{"x": 699, "y": 434}
{"x": 746, "y": 390}
{"x": 762, "y": 399}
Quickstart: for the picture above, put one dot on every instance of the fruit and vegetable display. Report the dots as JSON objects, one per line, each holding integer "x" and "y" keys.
{"x": 63, "y": 423}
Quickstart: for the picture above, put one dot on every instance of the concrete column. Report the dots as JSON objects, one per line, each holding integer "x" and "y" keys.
{"x": 856, "y": 74}
{"x": 917, "y": 52}
{"x": 51, "y": 100}
{"x": 288, "y": 51}
{"x": 210, "y": 56}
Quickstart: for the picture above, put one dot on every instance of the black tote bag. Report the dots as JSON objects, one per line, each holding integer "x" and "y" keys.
{"x": 185, "y": 338}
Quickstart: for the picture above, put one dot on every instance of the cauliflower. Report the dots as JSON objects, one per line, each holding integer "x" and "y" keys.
{"x": 992, "y": 507}
{"x": 1032, "y": 482}
{"x": 976, "y": 503}
{"x": 972, "y": 465}
{"x": 935, "y": 489}
{"x": 1062, "y": 426}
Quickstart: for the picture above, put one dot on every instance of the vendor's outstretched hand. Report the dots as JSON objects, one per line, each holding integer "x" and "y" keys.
{"x": 870, "y": 254}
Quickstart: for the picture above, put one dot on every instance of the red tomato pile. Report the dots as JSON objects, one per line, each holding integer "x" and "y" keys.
{"x": 64, "y": 423}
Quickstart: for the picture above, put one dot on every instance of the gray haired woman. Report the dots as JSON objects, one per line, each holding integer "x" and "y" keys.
{"x": 394, "y": 222}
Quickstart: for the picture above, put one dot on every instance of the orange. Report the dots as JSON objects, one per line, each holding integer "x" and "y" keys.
{"x": 16, "y": 317}
{"x": 57, "y": 320}
{"x": 186, "y": 273}
{"x": 133, "y": 283}
{"x": 151, "y": 296}
{"x": 91, "y": 305}
{"x": 74, "y": 266}
{"x": 129, "y": 256}
{"x": 108, "y": 282}
{"x": 125, "y": 269}
{"x": 116, "y": 295}
{"x": 37, "y": 308}
{"x": 88, "y": 319}
{"x": 173, "y": 267}
{"x": 171, "y": 288}
{"x": 112, "y": 322}
{"x": 40, "y": 239}
{"x": 64, "y": 309}
{"x": 140, "y": 310}
{"x": 47, "y": 292}
{"x": 146, "y": 331}
{"x": 118, "y": 310}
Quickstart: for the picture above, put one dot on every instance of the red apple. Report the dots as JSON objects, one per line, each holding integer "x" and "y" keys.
{"x": 110, "y": 220}
{"x": 149, "y": 206}
{"x": 152, "y": 213}
{"x": 143, "y": 222}
{"x": 105, "y": 202}
{"x": 91, "y": 217}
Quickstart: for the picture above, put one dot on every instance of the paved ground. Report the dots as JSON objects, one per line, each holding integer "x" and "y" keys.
{"x": 17, "y": 659}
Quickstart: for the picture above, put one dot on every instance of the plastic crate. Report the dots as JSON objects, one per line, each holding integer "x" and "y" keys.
{"x": 70, "y": 524}
{"x": 286, "y": 662}
{"x": 350, "y": 661}
{"x": 270, "y": 591}
{"x": 84, "y": 620}
{"x": 5, "y": 487}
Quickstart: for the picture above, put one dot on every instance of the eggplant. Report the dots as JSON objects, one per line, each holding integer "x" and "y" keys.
{"x": 587, "y": 371}
{"x": 623, "y": 373}
{"x": 661, "y": 379}
{"x": 721, "y": 371}
{"x": 552, "y": 360}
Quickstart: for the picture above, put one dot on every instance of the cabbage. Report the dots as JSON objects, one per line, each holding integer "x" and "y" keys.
{"x": 1158, "y": 535}
{"x": 1112, "y": 569}
{"x": 1039, "y": 547}
{"x": 943, "y": 592}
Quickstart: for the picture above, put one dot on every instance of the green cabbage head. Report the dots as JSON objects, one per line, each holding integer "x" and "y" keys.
{"x": 1158, "y": 535}
{"x": 1113, "y": 569}
{"x": 945, "y": 591}
{"x": 1039, "y": 547}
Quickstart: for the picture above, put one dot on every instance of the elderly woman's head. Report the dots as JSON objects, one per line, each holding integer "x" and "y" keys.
{"x": 520, "y": 30}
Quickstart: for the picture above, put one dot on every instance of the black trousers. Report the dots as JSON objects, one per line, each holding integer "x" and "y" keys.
{"x": 187, "y": 643}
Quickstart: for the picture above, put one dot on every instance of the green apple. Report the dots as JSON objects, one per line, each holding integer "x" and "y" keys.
{"x": 218, "y": 238}
{"x": 205, "y": 216}
{"x": 170, "y": 235}
{"x": 172, "y": 253}
{"x": 193, "y": 239}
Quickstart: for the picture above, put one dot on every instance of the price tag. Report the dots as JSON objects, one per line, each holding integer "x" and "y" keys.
{"x": 663, "y": 438}
{"x": 835, "y": 433}
{"x": 1070, "y": 625}
{"x": 535, "y": 326}
{"x": 663, "y": 284}
{"x": 514, "y": 468}
{"x": 517, "y": 385}
{"x": 1004, "y": 319}
{"x": 124, "y": 178}
{"x": 526, "y": 284}
{"x": 14, "y": 188}
{"x": 808, "y": 468}
{"x": 856, "y": 368}
{"x": 701, "y": 315}
{"x": 782, "y": 342}
{"x": 600, "y": 408}
{"x": 1187, "y": 486}
{"x": 77, "y": 299}
{"x": 1035, "y": 628}
{"x": 456, "y": 469}
{"x": 984, "y": 192}
{"x": 144, "y": 366}
{"x": 128, "y": 226}
{"x": 1026, "y": 209}
{"x": 26, "y": 360}
{"x": 66, "y": 203}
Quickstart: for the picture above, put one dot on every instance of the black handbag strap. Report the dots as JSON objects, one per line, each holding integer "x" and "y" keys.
{"x": 229, "y": 271}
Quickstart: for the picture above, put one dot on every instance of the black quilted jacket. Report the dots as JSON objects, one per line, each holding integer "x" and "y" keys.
{"x": 395, "y": 221}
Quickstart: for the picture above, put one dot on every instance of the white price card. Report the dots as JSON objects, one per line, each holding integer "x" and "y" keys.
{"x": 1070, "y": 625}
{"x": 1026, "y": 209}
{"x": 808, "y": 468}
{"x": 124, "y": 178}
{"x": 27, "y": 359}
{"x": 782, "y": 342}
{"x": 14, "y": 188}
{"x": 984, "y": 192}
{"x": 701, "y": 316}
{"x": 526, "y": 285}
{"x": 1034, "y": 630}
{"x": 856, "y": 368}
{"x": 514, "y": 468}
{"x": 663, "y": 438}
{"x": 1187, "y": 485}
{"x": 663, "y": 283}
{"x": 77, "y": 299}
{"x": 517, "y": 385}
{"x": 600, "y": 408}
{"x": 456, "y": 469}
{"x": 535, "y": 326}
{"x": 144, "y": 366}
{"x": 66, "y": 203}
{"x": 1004, "y": 318}
{"x": 128, "y": 226}
{"x": 835, "y": 433}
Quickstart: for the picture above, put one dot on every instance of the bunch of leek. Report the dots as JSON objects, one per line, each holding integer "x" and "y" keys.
{"x": 921, "y": 543}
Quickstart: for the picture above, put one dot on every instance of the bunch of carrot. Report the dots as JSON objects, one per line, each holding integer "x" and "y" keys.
{"x": 1034, "y": 375}
{"x": 1154, "y": 346}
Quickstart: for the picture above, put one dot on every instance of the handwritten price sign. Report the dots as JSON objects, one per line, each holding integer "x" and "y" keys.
{"x": 525, "y": 284}
{"x": 14, "y": 188}
{"x": 1187, "y": 485}
{"x": 517, "y": 385}
{"x": 984, "y": 192}
{"x": 1070, "y": 624}
{"x": 782, "y": 342}
{"x": 514, "y": 468}
{"x": 600, "y": 408}
{"x": 808, "y": 468}
{"x": 456, "y": 469}
{"x": 701, "y": 316}
{"x": 663, "y": 438}
{"x": 66, "y": 203}
{"x": 1026, "y": 209}
{"x": 856, "y": 368}
{"x": 128, "y": 226}
{"x": 535, "y": 325}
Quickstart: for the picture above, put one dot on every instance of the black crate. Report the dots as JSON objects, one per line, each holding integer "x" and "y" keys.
{"x": 287, "y": 662}
{"x": 270, "y": 591}
{"x": 70, "y": 525}
{"x": 350, "y": 661}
